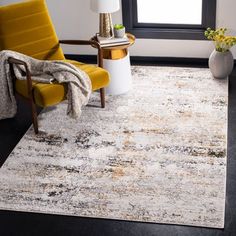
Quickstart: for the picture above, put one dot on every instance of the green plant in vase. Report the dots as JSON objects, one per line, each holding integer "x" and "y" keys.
{"x": 119, "y": 30}
{"x": 118, "y": 26}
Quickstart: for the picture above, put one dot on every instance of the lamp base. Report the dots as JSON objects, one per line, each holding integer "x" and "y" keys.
{"x": 106, "y": 26}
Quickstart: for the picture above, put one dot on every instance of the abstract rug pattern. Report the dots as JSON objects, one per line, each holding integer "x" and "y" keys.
{"x": 156, "y": 154}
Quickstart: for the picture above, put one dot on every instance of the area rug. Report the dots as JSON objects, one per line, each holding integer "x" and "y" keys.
{"x": 156, "y": 154}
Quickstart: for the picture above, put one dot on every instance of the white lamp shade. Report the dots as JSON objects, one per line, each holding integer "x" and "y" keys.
{"x": 104, "y": 6}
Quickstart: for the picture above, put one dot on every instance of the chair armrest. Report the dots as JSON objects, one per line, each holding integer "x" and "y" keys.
{"x": 81, "y": 42}
{"x": 13, "y": 61}
{"x": 91, "y": 42}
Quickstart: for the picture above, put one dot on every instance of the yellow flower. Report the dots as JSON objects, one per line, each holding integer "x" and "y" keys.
{"x": 223, "y": 42}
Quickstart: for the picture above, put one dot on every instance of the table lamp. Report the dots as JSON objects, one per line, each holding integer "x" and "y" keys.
{"x": 105, "y": 8}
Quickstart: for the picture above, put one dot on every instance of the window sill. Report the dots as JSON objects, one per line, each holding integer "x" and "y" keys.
{"x": 154, "y": 33}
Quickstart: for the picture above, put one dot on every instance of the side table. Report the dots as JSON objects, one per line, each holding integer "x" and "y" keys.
{"x": 116, "y": 60}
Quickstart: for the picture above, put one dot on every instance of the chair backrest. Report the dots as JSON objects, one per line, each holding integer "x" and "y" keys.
{"x": 26, "y": 27}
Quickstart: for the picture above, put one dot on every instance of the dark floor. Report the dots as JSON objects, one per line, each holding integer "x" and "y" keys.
{"x": 17, "y": 223}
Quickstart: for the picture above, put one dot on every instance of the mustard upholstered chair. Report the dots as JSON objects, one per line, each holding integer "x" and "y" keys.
{"x": 26, "y": 27}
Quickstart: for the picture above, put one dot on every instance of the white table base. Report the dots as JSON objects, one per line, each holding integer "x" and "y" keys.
{"x": 120, "y": 75}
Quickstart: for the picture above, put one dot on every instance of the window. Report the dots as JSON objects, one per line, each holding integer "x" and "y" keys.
{"x": 158, "y": 11}
{"x": 169, "y": 19}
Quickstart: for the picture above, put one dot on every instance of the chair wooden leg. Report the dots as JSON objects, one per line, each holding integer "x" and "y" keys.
{"x": 102, "y": 96}
{"x": 12, "y": 62}
{"x": 34, "y": 116}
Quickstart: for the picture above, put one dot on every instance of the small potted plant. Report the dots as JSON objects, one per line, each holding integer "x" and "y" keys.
{"x": 221, "y": 61}
{"x": 119, "y": 30}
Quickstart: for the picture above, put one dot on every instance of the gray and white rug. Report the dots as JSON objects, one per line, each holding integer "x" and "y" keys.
{"x": 155, "y": 154}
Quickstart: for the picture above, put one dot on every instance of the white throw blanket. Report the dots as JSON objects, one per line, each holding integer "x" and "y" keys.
{"x": 79, "y": 84}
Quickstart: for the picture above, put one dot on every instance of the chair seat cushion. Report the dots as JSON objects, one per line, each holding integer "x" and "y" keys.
{"x": 51, "y": 94}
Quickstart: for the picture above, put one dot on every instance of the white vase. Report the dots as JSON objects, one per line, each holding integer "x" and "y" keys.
{"x": 221, "y": 64}
{"x": 119, "y": 33}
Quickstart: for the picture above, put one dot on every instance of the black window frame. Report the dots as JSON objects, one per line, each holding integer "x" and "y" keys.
{"x": 168, "y": 31}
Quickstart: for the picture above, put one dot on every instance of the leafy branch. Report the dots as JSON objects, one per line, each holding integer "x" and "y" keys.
{"x": 222, "y": 42}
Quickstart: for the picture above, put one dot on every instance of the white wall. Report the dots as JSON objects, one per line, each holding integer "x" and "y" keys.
{"x": 73, "y": 19}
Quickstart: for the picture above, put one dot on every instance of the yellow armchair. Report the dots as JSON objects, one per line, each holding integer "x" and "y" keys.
{"x": 26, "y": 27}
